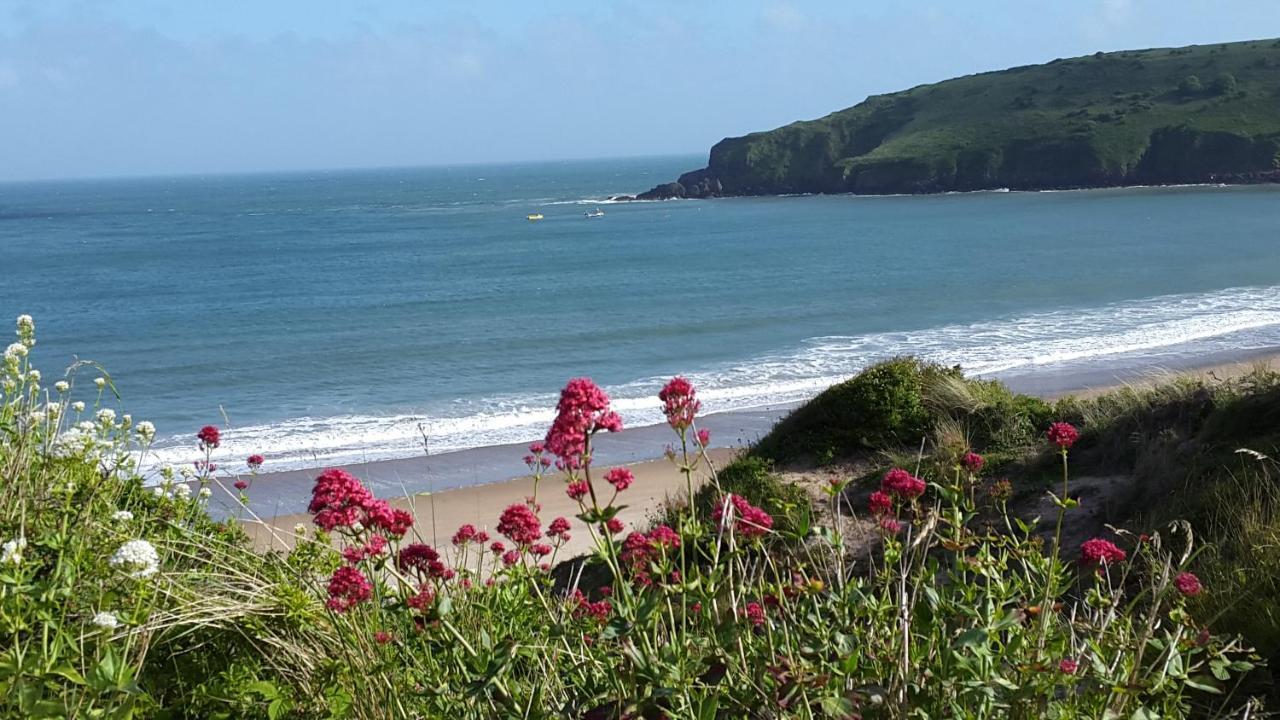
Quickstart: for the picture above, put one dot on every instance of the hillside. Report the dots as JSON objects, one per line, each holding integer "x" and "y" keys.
{"x": 1207, "y": 113}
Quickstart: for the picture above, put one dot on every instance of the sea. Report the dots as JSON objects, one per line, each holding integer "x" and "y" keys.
{"x": 327, "y": 318}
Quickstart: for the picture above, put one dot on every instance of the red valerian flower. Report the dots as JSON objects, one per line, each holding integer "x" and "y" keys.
{"x": 752, "y": 522}
{"x": 497, "y": 547}
{"x": 754, "y": 613}
{"x": 465, "y": 534}
{"x": 903, "y": 484}
{"x": 679, "y": 403}
{"x": 704, "y": 437}
{"x": 511, "y": 557}
{"x": 254, "y": 462}
{"x": 421, "y": 600}
{"x": 240, "y": 484}
{"x": 1099, "y": 551}
{"x": 1188, "y": 584}
{"x": 881, "y": 503}
{"x": 417, "y": 557}
{"x": 1068, "y": 666}
{"x": 209, "y": 436}
{"x": 615, "y": 526}
{"x": 347, "y": 588}
{"x": 558, "y": 527}
{"x": 972, "y": 462}
{"x": 382, "y": 637}
{"x": 890, "y": 526}
{"x": 577, "y": 490}
{"x": 540, "y": 549}
{"x": 338, "y": 500}
{"x": 620, "y": 478}
{"x": 583, "y": 409}
{"x": 1062, "y": 434}
{"x": 583, "y": 608}
{"x": 519, "y": 524}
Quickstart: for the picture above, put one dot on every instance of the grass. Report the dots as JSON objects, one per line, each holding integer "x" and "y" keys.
{"x": 731, "y": 610}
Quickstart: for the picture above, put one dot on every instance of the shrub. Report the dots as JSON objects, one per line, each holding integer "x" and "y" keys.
{"x": 1190, "y": 85}
{"x": 881, "y": 406}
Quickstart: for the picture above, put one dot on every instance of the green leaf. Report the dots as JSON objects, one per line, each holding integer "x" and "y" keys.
{"x": 971, "y": 638}
{"x": 708, "y": 707}
{"x": 1203, "y": 684}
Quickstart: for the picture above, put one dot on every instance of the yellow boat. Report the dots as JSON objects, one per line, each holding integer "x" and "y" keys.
{"x": 535, "y": 216}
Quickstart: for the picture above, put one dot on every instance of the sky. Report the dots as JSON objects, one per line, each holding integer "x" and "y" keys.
{"x": 104, "y": 88}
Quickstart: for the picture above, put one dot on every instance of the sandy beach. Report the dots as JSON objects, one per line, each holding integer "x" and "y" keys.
{"x": 279, "y": 498}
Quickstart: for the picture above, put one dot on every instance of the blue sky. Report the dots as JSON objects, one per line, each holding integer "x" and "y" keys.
{"x": 141, "y": 87}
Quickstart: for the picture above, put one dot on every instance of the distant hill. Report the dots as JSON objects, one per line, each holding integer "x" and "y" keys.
{"x": 1207, "y": 113}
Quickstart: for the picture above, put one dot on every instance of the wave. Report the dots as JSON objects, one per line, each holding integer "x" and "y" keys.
{"x": 1143, "y": 331}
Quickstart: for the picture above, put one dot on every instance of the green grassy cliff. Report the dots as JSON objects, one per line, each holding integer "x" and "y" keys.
{"x": 1208, "y": 113}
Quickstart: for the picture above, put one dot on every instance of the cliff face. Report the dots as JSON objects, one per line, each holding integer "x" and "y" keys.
{"x": 1165, "y": 116}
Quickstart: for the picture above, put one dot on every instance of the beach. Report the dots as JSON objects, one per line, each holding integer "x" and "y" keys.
{"x": 278, "y": 500}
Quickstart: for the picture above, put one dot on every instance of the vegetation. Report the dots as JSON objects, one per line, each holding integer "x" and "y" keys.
{"x": 1207, "y": 113}
{"x": 121, "y": 601}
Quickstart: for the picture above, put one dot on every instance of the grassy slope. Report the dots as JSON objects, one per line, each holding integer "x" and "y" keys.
{"x": 1104, "y": 119}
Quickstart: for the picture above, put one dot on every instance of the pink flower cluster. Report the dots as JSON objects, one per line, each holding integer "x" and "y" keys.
{"x": 424, "y": 561}
{"x": 620, "y": 478}
{"x": 467, "y": 533}
{"x": 254, "y": 462}
{"x": 880, "y": 503}
{"x": 209, "y": 436}
{"x": 679, "y": 403}
{"x": 373, "y": 548}
{"x": 754, "y": 613}
{"x": 1188, "y": 584}
{"x": 972, "y": 462}
{"x": 751, "y": 521}
{"x": 902, "y": 484}
{"x": 340, "y": 501}
{"x": 558, "y": 530}
{"x": 1101, "y": 552}
{"x": 584, "y": 608}
{"x": 347, "y": 588}
{"x": 1062, "y": 434}
{"x": 583, "y": 410}
{"x": 520, "y": 524}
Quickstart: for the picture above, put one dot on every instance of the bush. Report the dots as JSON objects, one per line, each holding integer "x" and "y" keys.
{"x": 882, "y": 406}
{"x": 1224, "y": 84}
{"x": 1190, "y": 85}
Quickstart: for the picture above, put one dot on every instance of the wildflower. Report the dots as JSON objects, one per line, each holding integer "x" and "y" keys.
{"x": 583, "y": 409}
{"x": 704, "y": 437}
{"x": 34, "y": 376}
{"x": 182, "y": 491}
{"x": 347, "y": 588}
{"x": 972, "y": 462}
{"x": 903, "y": 484}
{"x": 106, "y": 416}
{"x": 1062, "y": 434}
{"x": 240, "y": 485}
{"x": 122, "y": 516}
{"x": 464, "y": 535}
{"x": 339, "y": 500}
{"x": 540, "y": 549}
{"x": 11, "y": 551}
{"x": 418, "y": 557}
{"x": 422, "y": 599}
{"x": 1188, "y": 584}
{"x": 106, "y": 620}
{"x": 519, "y": 524}
{"x": 511, "y": 557}
{"x": 254, "y": 462}
{"x": 382, "y": 637}
{"x": 614, "y": 526}
{"x": 481, "y": 538}
{"x": 497, "y": 548}
{"x": 78, "y": 406}
{"x": 1001, "y": 490}
{"x": 620, "y": 478}
{"x": 1068, "y": 666}
{"x": 209, "y": 436}
{"x": 205, "y": 493}
{"x": 679, "y": 403}
{"x": 752, "y": 522}
{"x": 62, "y": 386}
{"x": 100, "y": 382}
{"x": 1099, "y": 551}
{"x": 15, "y": 351}
{"x": 146, "y": 430}
{"x": 138, "y": 557}
{"x": 25, "y": 324}
{"x": 299, "y": 529}
{"x": 754, "y": 613}
{"x": 889, "y": 526}
{"x": 663, "y": 537}
{"x": 577, "y": 490}
{"x": 880, "y": 503}
{"x": 558, "y": 528}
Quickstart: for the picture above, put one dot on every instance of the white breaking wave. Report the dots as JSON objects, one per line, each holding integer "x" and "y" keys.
{"x": 1233, "y": 319}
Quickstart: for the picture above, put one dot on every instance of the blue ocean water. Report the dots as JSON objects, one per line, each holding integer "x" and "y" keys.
{"x": 335, "y": 317}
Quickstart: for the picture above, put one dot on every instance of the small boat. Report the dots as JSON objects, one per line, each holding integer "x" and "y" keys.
{"x": 534, "y": 216}
{"x": 594, "y": 213}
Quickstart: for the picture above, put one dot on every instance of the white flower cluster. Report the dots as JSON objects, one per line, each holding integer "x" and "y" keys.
{"x": 106, "y": 620}
{"x": 15, "y": 351}
{"x": 139, "y": 557}
{"x": 107, "y": 416}
{"x": 62, "y": 386}
{"x": 11, "y": 551}
{"x": 78, "y": 406}
{"x": 122, "y": 516}
{"x": 146, "y": 430}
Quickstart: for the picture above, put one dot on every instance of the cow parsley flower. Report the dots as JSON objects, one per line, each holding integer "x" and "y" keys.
{"x": 62, "y": 386}
{"x": 106, "y": 416}
{"x": 106, "y": 620}
{"x": 138, "y": 557}
{"x": 146, "y": 430}
{"x": 122, "y": 516}
{"x": 78, "y": 406}
{"x": 11, "y": 551}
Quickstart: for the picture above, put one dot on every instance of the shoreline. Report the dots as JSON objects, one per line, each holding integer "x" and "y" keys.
{"x": 421, "y": 483}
